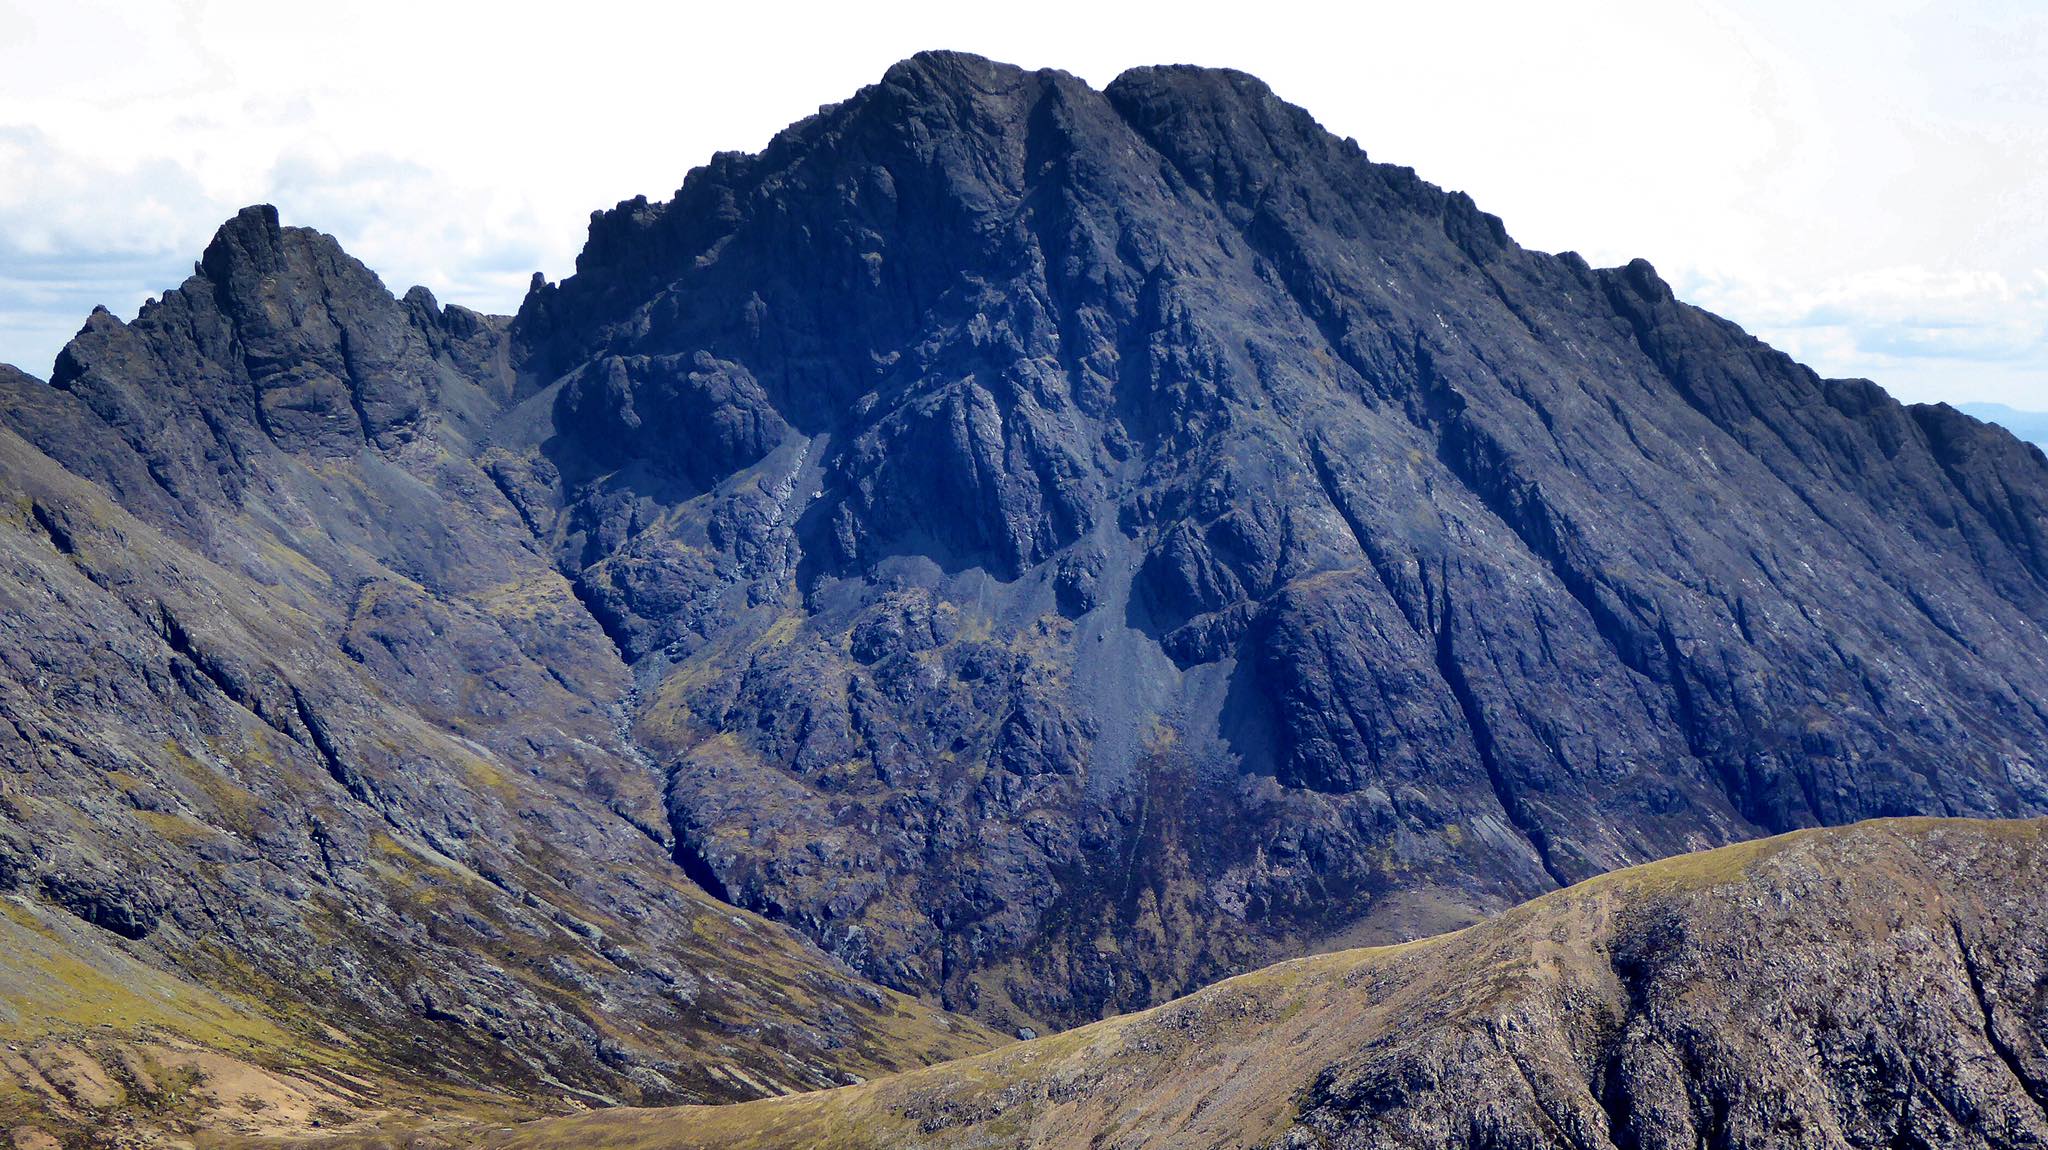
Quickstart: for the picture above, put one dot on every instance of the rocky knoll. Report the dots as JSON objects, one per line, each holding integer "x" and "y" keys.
{"x": 1881, "y": 985}
{"x": 1077, "y": 544}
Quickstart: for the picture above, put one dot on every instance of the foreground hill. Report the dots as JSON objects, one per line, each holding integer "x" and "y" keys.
{"x": 1881, "y": 985}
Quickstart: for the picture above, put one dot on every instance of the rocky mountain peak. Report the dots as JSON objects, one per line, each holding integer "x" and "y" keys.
{"x": 955, "y": 74}
{"x": 249, "y": 246}
{"x": 1066, "y": 546}
{"x": 991, "y": 464}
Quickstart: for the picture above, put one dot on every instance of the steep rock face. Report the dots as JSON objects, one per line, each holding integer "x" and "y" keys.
{"x": 295, "y": 710}
{"x": 279, "y": 336}
{"x": 1075, "y": 544}
{"x": 1053, "y": 548}
{"x": 1879, "y": 985}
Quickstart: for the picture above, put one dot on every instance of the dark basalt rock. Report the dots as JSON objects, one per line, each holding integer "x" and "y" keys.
{"x": 1425, "y": 571}
{"x": 1054, "y": 548}
{"x": 103, "y": 902}
{"x": 294, "y": 707}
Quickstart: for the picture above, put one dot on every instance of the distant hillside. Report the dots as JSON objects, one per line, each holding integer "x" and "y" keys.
{"x": 2028, "y": 425}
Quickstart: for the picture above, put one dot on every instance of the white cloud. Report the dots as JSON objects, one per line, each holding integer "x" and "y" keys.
{"x": 1926, "y": 333}
{"x": 1864, "y": 183}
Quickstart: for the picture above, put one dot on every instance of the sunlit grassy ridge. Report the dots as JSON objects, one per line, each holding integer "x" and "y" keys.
{"x": 1225, "y": 1066}
{"x": 56, "y": 973}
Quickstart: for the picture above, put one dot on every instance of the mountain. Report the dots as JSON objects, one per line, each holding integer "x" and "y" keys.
{"x": 1075, "y": 545}
{"x": 2028, "y": 425}
{"x": 313, "y": 766}
{"x": 1880, "y": 985}
{"x": 1004, "y": 554}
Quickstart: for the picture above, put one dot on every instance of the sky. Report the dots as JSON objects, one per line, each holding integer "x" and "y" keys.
{"x": 1864, "y": 185}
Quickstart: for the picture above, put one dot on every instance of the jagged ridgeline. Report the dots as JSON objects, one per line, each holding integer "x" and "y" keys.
{"x": 1076, "y": 544}
{"x": 1036, "y": 549}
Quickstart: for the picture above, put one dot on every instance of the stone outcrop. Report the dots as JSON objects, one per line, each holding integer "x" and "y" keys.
{"x": 293, "y": 711}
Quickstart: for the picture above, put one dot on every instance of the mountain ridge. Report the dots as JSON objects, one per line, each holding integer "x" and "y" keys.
{"x": 295, "y": 717}
{"x": 1189, "y": 230}
{"x": 1045, "y": 549}
{"x": 2031, "y": 426}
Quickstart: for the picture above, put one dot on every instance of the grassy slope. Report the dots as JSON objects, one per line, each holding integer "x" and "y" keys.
{"x": 1226, "y": 1066}
{"x": 97, "y": 1038}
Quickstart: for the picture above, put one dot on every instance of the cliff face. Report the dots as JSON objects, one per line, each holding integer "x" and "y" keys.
{"x": 1076, "y": 544}
{"x": 1050, "y": 548}
{"x": 1879, "y": 985}
{"x": 303, "y": 730}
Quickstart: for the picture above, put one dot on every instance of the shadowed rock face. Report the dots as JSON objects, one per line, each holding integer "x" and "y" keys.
{"x": 292, "y": 711}
{"x": 1078, "y": 543}
{"x": 1053, "y": 548}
